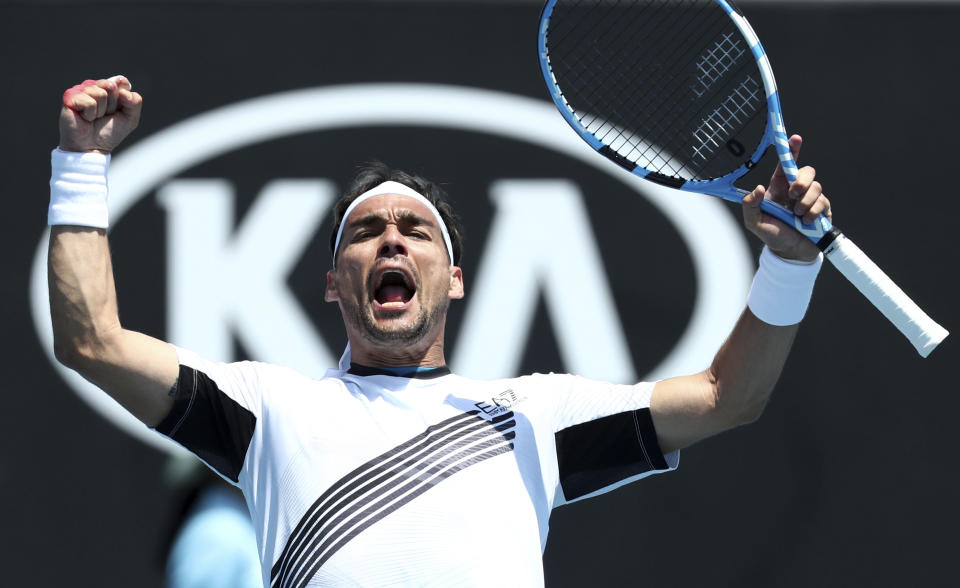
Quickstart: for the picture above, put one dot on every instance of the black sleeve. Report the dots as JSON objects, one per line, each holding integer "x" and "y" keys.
{"x": 209, "y": 423}
{"x": 604, "y": 451}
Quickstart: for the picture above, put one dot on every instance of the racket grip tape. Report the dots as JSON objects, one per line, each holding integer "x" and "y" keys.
{"x": 922, "y": 331}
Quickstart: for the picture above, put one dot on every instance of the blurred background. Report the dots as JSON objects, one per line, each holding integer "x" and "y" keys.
{"x": 257, "y": 113}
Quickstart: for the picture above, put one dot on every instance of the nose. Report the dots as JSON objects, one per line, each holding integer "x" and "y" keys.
{"x": 392, "y": 243}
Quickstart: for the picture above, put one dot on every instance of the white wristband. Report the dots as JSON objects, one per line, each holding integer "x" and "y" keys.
{"x": 781, "y": 289}
{"x": 78, "y": 189}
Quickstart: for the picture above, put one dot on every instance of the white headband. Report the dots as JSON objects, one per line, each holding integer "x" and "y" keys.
{"x": 391, "y": 187}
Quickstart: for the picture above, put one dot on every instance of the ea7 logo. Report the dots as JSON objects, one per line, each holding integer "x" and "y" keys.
{"x": 225, "y": 281}
{"x": 500, "y": 403}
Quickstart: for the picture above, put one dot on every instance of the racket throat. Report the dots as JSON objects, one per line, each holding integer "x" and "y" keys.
{"x": 827, "y": 240}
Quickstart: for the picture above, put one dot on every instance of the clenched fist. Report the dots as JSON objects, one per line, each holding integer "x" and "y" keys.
{"x": 98, "y": 114}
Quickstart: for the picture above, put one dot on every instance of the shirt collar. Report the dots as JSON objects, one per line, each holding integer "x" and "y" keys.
{"x": 416, "y": 372}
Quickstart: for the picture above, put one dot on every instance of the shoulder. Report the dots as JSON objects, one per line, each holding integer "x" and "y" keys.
{"x": 554, "y": 382}
{"x": 249, "y": 370}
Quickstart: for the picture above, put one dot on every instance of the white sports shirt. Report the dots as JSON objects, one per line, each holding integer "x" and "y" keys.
{"x": 364, "y": 478}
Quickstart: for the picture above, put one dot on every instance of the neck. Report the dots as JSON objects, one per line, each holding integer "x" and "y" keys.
{"x": 431, "y": 355}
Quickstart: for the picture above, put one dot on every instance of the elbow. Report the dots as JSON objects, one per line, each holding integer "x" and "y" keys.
{"x": 80, "y": 354}
{"x": 75, "y": 357}
{"x": 750, "y": 412}
{"x": 740, "y": 404}
{"x": 67, "y": 354}
{"x": 745, "y": 410}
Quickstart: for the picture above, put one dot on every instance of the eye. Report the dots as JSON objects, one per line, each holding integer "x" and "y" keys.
{"x": 416, "y": 234}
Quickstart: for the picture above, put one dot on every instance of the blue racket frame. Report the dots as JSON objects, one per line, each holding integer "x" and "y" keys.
{"x": 922, "y": 331}
{"x": 775, "y": 133}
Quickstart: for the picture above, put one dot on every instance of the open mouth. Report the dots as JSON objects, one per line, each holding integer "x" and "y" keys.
{"x": 394, "y": 289}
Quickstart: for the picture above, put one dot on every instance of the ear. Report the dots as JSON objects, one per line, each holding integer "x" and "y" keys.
{"x": 456, "y": 283}
{"x": 330, "y": 294}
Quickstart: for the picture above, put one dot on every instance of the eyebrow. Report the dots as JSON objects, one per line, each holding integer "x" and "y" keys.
{"x": 365, "y": 220}
{"x": 414, "y": 219}
{"x": 405, "y": 216}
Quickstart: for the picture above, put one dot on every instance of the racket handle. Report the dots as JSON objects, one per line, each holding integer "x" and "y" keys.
{"x": 922, "y": 331}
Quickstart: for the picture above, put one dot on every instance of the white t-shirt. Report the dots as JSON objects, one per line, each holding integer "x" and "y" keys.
{"x": 364, "y": 478}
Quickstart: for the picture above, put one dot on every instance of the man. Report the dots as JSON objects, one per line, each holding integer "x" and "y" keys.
{"x": 372, "y": 475}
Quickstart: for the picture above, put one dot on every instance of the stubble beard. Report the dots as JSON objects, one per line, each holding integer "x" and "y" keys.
{"x": 425, "y": 322}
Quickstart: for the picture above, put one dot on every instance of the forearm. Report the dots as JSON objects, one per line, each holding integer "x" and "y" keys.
{"x": 136, "y": 370}
{"x": 83, "y": 300}
{"x": 738, "y": 383}
{"x": 732, "y": 391}
{"x": 749, "y": 363}
{"x": 746, "y": 369}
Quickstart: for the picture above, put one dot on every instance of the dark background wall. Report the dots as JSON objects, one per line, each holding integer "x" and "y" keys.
{"x": 848, "y": 479}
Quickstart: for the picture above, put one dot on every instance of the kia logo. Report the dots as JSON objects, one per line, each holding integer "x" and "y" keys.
{"x": 224, "y": 282}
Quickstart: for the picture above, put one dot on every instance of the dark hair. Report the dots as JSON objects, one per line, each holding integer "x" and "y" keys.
{"x": 374, "y": 174}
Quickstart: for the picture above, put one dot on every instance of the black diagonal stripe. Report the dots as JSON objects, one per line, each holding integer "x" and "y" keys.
{"x": 372, "y": 491}
{"x": 426, "y": 480}
{"x": 408, "y": 470}
{"x": 379, "y": 474}
{"x": 400, "y": 503}
{"x": 306, "y": 519}
{"x": 368, "y": 470}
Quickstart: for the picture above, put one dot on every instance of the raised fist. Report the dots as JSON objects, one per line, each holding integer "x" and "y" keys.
{"x": 98, "y": 114}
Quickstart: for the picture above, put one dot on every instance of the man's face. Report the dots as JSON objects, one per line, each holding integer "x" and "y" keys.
{"x": 393, "y": 278}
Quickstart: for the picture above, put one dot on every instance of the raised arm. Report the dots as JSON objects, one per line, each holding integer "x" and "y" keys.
{"x": 136, "y": 370}
{"x": 736, "y": 386}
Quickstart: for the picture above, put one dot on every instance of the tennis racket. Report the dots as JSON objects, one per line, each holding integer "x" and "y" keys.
{"x": 681, "y": 93}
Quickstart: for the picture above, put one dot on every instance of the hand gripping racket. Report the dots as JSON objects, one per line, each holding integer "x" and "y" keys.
{"x": 681, "y": 93}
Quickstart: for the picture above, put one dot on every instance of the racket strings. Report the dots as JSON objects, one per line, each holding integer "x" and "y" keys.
{"x": 640, "y": 26}
{"x": 597, "y": 92}
{"x": 589, "y": 72}
{"x": 567, "y": 18}
{"x": 666, "y": 110}
{"x": 672, "y": 110}
{"x": 631, "y": 72}
{"x": 718, "y": 61}
{"x": 667, "y": 68}
{"x": 640, "y": 101}
{"x": 730, "y": 114}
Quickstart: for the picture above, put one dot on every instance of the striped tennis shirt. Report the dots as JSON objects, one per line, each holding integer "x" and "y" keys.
{"x": 367, "y": 478}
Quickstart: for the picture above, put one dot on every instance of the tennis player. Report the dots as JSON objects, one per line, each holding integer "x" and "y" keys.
{"x": 391, "y": 470}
